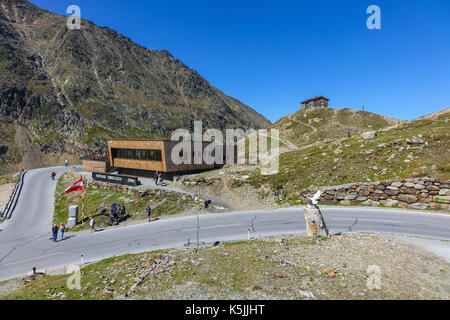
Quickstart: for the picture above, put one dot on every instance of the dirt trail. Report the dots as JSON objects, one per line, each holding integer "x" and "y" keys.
{"x": 5, "y": 192}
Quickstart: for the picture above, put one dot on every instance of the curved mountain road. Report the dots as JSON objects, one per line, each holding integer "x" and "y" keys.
{"x": 25, "y": 239}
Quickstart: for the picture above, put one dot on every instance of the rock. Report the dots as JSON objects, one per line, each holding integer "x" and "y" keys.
{"x": 397, "y": 184}
{"x": 408, "y": 198}
{"x": 254, "y": 288}
{"x": 338, "y": 151}
{"x": 440, "y": 206}
{"x": 407, "y": 190}
{"x": 389, "y": 202}
{"x": 369, "y": 135}
{"x": 315, "y": 225}
{"x": 351, "y": 196}
{"x": 362, "y": 198}
{"x": 444, "y": 192}
{"x": 421, "y": 206}
{"x": 392, "y": 188}
{"x": 371, "y": 203}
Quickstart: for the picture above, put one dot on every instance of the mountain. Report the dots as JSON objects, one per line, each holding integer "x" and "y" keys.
{"x": 66, "y": 91}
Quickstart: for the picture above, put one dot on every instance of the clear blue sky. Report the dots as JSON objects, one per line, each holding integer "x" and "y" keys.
{"x": 273, "y": 54}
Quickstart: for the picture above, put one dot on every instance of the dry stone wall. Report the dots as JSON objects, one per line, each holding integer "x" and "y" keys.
{"x": 420, "y": 193}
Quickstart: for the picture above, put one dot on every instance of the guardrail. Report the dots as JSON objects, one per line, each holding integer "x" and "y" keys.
{"x": 10, "y": 206}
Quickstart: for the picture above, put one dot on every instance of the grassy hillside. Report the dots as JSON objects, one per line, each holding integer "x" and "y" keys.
{"x": 412, "y": 149}
{"x": 305, "y": 127}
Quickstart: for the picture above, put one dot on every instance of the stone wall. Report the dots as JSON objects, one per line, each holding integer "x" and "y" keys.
{"x": 420, "y": 193}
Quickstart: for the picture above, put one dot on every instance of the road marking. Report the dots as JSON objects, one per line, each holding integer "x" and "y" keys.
{"x": 31, "y": 259}
{"x": 374, "y": 220}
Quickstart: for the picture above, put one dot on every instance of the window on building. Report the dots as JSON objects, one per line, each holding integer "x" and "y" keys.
{"x": 137, "y": 154}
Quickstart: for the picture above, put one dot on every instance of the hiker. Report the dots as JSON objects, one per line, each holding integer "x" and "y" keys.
{"x": 66, "y": 162}
{"x": 159, "y": 178}
{"x": 111, "y": 218}
{"x": 55, "y": 232}
{"x": 149, "y": 213}
{"x": 92, "y": 224}
{"x": 62, "y": 228}
{"x": 53, "y": 175}
{"x": 122, "y": 211}
{"x": 155, "y": 177}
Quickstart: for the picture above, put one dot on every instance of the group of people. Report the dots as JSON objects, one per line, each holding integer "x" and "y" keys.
{"x": 92, "y": 222}
{"x": 157, "y": 177}
{"x": 116, "y": 212}
{"x": 55, "y": 229}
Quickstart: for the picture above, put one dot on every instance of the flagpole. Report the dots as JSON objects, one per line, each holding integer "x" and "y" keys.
{"x": 82, "y": 202}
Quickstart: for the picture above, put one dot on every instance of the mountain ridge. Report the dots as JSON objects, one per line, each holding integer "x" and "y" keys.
{"x": 74, "y": 89}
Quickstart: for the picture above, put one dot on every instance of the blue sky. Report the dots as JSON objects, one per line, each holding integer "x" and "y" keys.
{"x": 273, "y": 54}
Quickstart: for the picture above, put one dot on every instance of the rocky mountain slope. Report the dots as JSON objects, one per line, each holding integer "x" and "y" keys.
{"x": 70, "y": 90}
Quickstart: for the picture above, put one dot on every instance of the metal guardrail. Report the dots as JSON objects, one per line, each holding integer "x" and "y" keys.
{"x": 12, "y": 198}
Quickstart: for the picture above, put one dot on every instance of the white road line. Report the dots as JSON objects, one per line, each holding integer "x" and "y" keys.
{"x": 31, "y": 259}
{"x": 374, "y": 220}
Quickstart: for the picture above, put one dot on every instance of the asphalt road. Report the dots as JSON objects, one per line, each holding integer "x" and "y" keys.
{"x": 25, "y": 239}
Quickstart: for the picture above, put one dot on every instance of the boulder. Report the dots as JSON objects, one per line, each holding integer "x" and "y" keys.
{"x": 368, "y": 135}
{"x": 408, "y": 198}
{"x": 315, "y": 225}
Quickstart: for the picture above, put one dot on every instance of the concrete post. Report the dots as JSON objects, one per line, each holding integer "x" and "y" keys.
{"x": 73, "y": 216}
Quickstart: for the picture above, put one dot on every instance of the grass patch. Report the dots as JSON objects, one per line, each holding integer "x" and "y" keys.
{"x": 97, "y": 199}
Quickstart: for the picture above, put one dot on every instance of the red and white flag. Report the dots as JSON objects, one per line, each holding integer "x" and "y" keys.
{"x": 75, "y": 187}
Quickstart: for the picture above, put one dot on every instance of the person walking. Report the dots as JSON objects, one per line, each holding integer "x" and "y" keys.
{"x": 155, "y": 177}
{"x": 123, "y": 211}
{"x": 92, "y": 224}
{"x": 55, "y": 232}
{"x": 159, "y": 178}
{"x": 149, "y": 213}
{"x": 62, "y": 229}
{"x": 111, "y": 218}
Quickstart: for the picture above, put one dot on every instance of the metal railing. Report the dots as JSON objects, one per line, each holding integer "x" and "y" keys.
{"x": 13, "y": 197}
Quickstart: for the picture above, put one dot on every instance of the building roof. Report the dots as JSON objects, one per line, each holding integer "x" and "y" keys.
{"x": 315, "y": 99}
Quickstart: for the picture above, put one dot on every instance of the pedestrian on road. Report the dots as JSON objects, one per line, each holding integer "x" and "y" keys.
{"x": 62, "y": 229}
{"x": 66, "y": 162}
{"x": 55, "y": 232}
{"x": 149, "y": 213}
{"x": 92, "y": 224}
